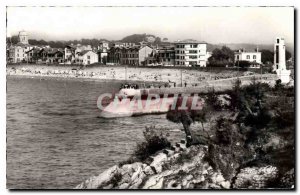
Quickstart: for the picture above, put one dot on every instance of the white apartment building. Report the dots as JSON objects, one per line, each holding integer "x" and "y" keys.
{"x": 242, "y": 55}
{"x": 190, "y": 53}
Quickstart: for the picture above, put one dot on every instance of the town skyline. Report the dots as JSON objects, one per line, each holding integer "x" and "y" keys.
{"x": 259, "y": 25}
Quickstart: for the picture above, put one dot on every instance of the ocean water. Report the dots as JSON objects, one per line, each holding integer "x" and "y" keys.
{"x": 55, "y": 138}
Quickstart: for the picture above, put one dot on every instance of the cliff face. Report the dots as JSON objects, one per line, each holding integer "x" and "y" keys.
{"x": 179, "y": 168}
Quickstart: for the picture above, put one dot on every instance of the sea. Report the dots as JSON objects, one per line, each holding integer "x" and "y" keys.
{"x": 55, "y": 136}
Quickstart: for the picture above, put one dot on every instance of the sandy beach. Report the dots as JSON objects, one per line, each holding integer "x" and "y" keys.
{"x": 166, "y": 75}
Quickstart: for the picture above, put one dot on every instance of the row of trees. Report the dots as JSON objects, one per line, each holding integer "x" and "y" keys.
{"x": 225, "y": 56}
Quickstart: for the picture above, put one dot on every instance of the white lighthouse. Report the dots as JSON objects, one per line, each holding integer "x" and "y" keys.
{"x": 280, "y": 62}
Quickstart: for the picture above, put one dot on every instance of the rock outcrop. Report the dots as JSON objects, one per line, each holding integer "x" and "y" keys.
{"x": 178, "y": 168}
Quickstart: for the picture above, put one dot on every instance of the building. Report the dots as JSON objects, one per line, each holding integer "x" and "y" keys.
{"x": 102, "y": 55}
{"x": 33, "y": 55}
{"x": 253, "y": 57}
{"x": 17, "y": 52}
{"x": 103, "y": 45}
{"x": 125, "y": 44}
{"x": 55, "y": 56}
{"x": 190, "y": 53}
{"x": 118, "y": 44}
{"x": 136, "y": 55}
{"x": 86, "y": 57}
{"x": 69, "y": 54}
{"x": 166, "y": 56}
{"x": 114, "y": 55}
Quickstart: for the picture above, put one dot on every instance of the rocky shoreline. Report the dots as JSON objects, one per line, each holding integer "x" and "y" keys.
{"x": 178, "y": 168}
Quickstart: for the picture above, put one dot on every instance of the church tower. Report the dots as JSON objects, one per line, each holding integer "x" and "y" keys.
{"x": 23, "y": 37}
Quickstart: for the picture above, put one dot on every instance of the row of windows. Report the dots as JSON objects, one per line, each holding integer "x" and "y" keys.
{"x": 180, "y": 51}
{"x": 191, "y": 46}
{"x": 189, "y": 51}
{"x": 188, "y": 57}
{"x": 190, "y": 63}
{"x": 179, "y": 46}
{"x": 130, "y": 55}
{"x": 166, "y": 55}
{"x": 248, "y": 57}
{"x": 180, "y": 57}
{"x": 130, "y": 61}
{"x": 179, "y": 63}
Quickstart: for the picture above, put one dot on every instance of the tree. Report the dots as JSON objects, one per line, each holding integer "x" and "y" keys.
{"x": 188, "y": 116}
{"x": 221, "y": 57}
{"x": 288, "y": 55}
{"x": 267, "y": 56}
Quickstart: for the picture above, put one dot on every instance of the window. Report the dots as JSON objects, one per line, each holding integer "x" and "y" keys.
{"x": 248, "y": 57}
{"x": 195, "y": 46}
{"x": 254, "y": 56}
{"x": 193, "y": 57}
{"x": 193, "y": 51}
{"x": 237, "y": 57}
{"x": 88, "y": 57}
{"x": 277, "y": 40}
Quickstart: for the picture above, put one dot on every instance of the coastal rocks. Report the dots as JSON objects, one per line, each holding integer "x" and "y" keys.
{"x": 185, "y": 169}
{"x": 158, "y": 161}
{"x": 96, "y": 182}
{"x": 255, "y": 177}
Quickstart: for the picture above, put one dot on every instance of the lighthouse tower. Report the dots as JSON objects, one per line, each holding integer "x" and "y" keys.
{"x": 280, "y": 62}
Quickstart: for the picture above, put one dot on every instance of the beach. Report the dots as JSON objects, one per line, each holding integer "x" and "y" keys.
{"x": 192, "y": 77}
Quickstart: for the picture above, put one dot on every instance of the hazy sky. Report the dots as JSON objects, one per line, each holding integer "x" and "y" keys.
{"x": 210, "y": 24}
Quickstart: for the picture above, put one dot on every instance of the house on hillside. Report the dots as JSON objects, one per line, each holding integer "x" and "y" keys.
{"x": 86, "y": 57}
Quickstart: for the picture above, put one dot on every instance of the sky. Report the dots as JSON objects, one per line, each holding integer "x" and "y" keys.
{"x": 260, "y": 25}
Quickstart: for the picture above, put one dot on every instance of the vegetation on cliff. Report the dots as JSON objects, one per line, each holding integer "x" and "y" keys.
{"x": 256, "y": 128}
{"x": 245, "y": 140}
